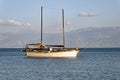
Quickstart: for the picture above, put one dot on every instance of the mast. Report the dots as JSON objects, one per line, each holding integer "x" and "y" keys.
{"x": 63, "y": 28}
{"x": 41, "y": 23}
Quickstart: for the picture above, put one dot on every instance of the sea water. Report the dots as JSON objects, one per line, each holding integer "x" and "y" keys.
{"x": 91, "y": 64}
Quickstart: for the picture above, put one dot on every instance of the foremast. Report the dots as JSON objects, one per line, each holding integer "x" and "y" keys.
{"x": 41, "y": 24}
{"x": 63, "y": 28}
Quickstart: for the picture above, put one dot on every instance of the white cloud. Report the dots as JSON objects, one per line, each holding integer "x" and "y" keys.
{"x": 87, "y": 14}
{"x": 14, "y": 23}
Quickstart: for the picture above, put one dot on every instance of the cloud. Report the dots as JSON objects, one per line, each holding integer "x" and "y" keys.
{"x": 11, "y": 22}
{"x": 85, "y": 14}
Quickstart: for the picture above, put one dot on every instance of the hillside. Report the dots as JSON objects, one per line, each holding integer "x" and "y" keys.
{"x": 87, "y": 37}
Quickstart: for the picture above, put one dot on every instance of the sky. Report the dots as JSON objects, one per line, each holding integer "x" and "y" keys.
{"x": 24, "y": 15}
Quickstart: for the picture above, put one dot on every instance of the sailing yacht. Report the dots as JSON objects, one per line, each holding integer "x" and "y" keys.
{"x": 50, "y": 51}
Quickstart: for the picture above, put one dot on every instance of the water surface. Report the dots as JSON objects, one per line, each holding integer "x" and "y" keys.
{"x": 91, "y": 64}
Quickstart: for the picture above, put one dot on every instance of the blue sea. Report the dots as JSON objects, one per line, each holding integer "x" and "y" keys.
{"x": 91, "y": 64}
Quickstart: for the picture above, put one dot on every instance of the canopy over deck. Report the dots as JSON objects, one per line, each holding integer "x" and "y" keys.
{"x": 41, "y": 45}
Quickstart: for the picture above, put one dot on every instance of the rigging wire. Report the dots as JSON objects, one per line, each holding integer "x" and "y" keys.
{"x": 79, "y": 40}
{"x": 56, "y": 24}
{"x": 57, "y": 21}
{"x": 84, "y": 48}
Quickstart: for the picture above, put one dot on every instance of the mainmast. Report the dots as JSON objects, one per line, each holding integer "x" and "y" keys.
{"x": 63, "y": 28}
{"x": 41, "y": 23}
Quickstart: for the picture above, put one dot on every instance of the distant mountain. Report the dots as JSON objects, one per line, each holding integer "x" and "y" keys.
{"x": 99, "y": 37}
{"x": 87, "y": 37}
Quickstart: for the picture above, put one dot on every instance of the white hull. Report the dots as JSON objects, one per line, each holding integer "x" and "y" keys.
{"x": 60, "y": 54}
